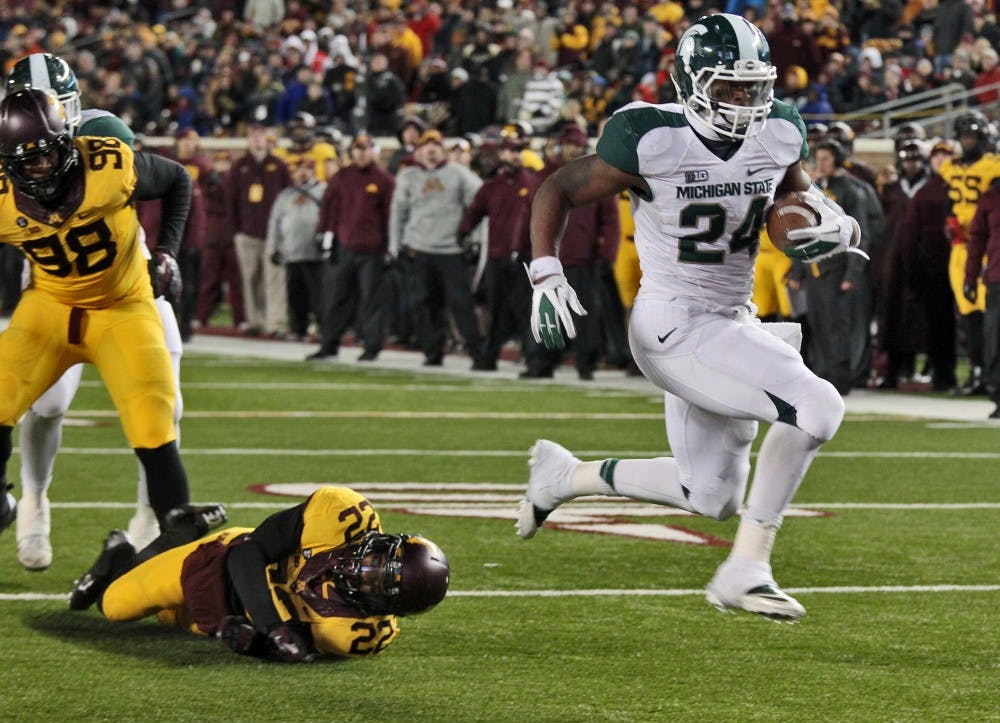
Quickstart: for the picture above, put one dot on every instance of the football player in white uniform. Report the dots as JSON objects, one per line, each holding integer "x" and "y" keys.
{"x": 41, "y": 428}
{"x": 702, "y": 175}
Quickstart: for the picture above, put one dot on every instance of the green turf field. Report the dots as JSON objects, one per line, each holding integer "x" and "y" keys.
{"x": 900, "y": 575}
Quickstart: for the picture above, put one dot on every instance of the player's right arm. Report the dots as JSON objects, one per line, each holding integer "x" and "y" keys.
{"x": 579, "y": 182}
{"x": 165, "y": 179}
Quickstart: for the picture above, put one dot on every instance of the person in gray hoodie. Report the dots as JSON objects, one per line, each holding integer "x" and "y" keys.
{"x": 292, "y": 242}
{"x": 427, "y": 206}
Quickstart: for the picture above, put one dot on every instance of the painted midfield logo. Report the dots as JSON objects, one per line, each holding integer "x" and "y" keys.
{"x": 596, "y": 515}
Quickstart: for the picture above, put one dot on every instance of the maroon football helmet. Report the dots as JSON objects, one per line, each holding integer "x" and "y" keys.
{"x": 382, "y": 574}
{"x": 36, "y": 145}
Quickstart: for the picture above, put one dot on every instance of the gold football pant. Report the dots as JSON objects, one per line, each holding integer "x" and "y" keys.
{"x": 769, "y": 291}
{"x": 956, "y": 274}
{"x": 125, "y": 343}
{"x": 627, "y": 273}
{"x": 155, "y": 585}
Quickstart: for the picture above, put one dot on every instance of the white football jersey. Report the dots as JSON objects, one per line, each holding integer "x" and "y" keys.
{"x": 698, "y": 230}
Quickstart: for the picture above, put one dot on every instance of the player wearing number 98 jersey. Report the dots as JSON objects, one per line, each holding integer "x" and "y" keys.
{"x": 67, "y": 204}
{"x": 320, "y": 578}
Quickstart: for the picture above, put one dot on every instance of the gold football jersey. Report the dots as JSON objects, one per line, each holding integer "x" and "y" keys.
{"x": 966, "y": 183}
{"x": 334, "y": 517}
{"x": 87, "y": 256}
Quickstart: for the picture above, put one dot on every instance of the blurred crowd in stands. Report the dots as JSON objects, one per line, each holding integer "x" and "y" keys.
{"x": 313, "y": 230}
{"x": 218, "y": 66}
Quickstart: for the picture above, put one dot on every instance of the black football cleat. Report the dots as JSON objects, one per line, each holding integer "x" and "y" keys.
{"x": 89, "y": 588}
{"x": 205, "y": 518}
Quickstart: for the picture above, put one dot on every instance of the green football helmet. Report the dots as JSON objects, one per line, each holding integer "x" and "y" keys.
{"x": 724, "y": 76}
{"x": 50, "y": 73}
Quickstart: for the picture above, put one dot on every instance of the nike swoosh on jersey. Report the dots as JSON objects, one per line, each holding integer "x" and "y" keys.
{"x": 755, "y": 171}
{"x": 663, "y": 338}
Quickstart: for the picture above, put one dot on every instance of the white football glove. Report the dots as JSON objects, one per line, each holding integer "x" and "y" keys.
{"x": 835, "y": 233}
{"x": 552, "y": 298}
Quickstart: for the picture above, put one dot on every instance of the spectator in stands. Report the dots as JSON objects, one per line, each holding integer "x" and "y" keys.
{"x": 292, "y": 243}
{"x": 409, "y": 134}
{"x": 341, "y": 80}
{"x": 354, "y": 221}
{"x": 427, "y": 205}
{"x": 988, "y": 78}
{"x": 791, "y": 45}
{"x": 220, "y": 269}
{"x": 256, "y": 179}
{"x": 952, "y": 20}
{"x": 543, "y": 97}
{"x": 512, "y": 87}
{"x": 384, "y": 96}
{"x": 473, "y": 100}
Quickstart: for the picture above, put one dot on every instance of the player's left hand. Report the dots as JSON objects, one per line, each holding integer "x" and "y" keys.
{"x": 165, "y": 275}
{"x": 970, "y": 290}
{"x": 552, "y": 299}
{"x": 835, "y": 233}
{"x": 288, "y": 645}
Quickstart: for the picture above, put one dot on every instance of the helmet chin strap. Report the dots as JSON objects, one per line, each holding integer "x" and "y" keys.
{"x": 702, "y": 127}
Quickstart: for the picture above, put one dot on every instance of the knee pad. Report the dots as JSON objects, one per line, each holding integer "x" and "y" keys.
{"x": 820, "y": 410}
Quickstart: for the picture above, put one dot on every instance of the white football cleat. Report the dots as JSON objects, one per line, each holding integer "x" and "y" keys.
{"x": 551, "y": 466}
{"x": 741, "y": 584}
{"x": 143, "y": 528}
{"x": 34, "y": 550}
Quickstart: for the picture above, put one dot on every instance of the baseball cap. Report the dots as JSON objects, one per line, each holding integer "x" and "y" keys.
{"x": 430, "y": 136}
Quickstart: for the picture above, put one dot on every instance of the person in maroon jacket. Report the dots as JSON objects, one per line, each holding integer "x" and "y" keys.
{"x": 504, "y": 199}
{"x": 984, "y": 239}
{"x": 219, "y": 266}
{"x": 591, "y": 237}
{"x": 925, "y": 250}
{"x": 354, "y": 219}
{"x": 256, "y": 179}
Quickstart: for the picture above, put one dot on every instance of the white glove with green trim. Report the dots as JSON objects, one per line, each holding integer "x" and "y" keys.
{"x": 552, "y": 299}
{"x": 835, "y": 233}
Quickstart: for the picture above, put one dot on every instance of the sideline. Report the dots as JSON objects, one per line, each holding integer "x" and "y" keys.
{"x": 859, "y": 402}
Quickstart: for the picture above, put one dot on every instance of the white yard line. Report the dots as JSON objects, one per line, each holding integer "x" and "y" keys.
{"x": 668, "y": 592}
{"x": 284, "y": 452}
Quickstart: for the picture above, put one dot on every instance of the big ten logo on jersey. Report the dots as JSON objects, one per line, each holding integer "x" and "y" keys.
{"x": 594, "y": 515}
{"x": 695, "y": 176}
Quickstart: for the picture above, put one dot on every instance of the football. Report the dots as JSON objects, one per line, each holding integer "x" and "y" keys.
{"x": 789, "y": 212}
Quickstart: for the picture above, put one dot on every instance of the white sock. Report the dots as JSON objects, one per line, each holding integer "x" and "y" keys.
{"x": 39, "y": 441}
{"x": 785, "y": 455}
{"x": 754, "y": 540}
{"x": 647, "y": 480}
{"x": 586, "y": 480}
